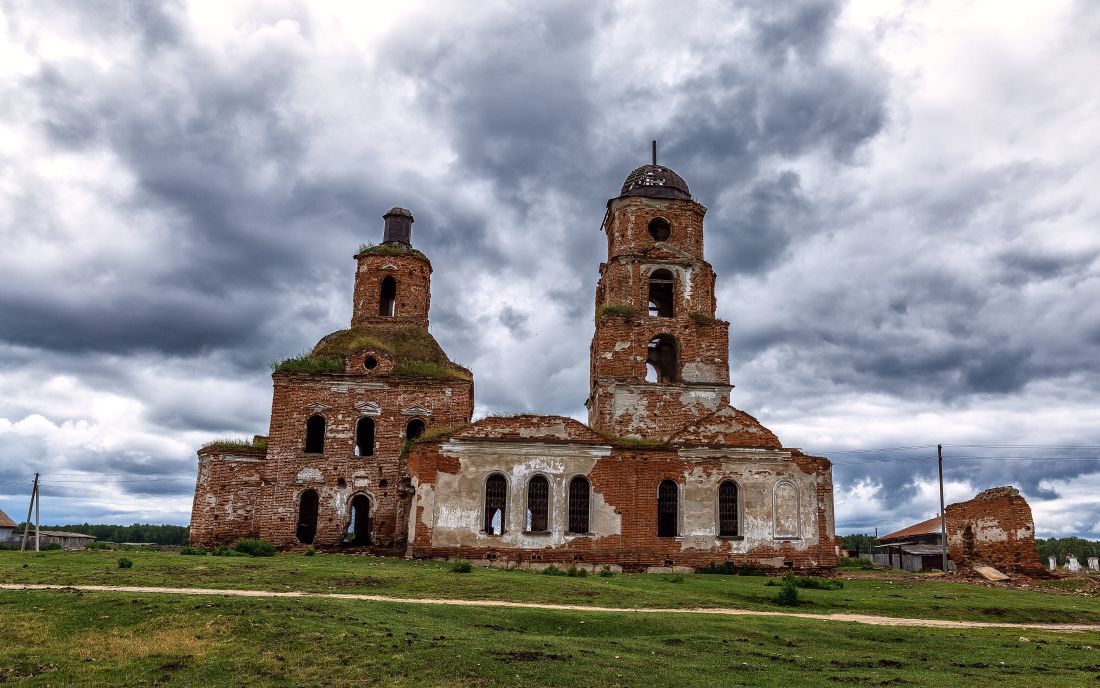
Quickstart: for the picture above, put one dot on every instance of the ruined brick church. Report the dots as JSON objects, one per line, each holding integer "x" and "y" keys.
{"x": 371, "y": 444}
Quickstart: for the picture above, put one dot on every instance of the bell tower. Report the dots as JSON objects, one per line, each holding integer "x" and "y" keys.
{"x": 393, "y": 279}
{"x": 659, "y": 357}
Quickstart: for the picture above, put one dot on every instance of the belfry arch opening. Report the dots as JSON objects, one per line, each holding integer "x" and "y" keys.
{"x": 662, "y": 288}
{"x": 414, "y": 429}
{"x": 358, "y": 532}
{"x": 387, "y": 296}
{"x": 663, "y": 359}
{"x": 307, "y": 517}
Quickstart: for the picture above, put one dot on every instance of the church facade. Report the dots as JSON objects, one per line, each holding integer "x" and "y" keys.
{"x": 371, "y": 443}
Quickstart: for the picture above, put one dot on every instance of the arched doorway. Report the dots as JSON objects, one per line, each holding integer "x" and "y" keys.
{"x": 307, "y": 517}
{"x": 358, "y": 532}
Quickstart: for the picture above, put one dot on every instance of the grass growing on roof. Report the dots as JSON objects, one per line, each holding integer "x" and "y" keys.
{"x": 621, "y": 311}
{"x": 259, "y": 442}
{"x": 394, "y": 249}
{"x": 415, "y": 350}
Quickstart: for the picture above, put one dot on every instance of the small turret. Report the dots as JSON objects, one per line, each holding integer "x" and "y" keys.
{"x": 398, "y": 227}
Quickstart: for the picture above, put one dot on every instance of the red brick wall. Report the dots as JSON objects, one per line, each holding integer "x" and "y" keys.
{"x": 414, "y": 278}
{"x": 1001, "y": 532}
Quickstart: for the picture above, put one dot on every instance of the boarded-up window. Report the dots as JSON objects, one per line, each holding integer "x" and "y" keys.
{"x": 315, "y": 435}
{"x": 785, "y": 512}
{"x": 364, "y": 437}
{"x": 307, "y": 517}
{"x": 496, "y": 495}
{"x": 667, "y": 509}
{"x": 538, "y": 504}
{"x": 578, "y": 505}
{"x": 727, "y": 509}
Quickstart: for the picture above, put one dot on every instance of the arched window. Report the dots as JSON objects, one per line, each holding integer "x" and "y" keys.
{"x": 364, "y": 437}
{"x": 659, "y": 229}
{"x": 578, "y": 505}
{"x": 414, "y": 429}
{"x": 664, "y": 357}
{"x": 315, "y": 434}
{"x": 662, "y": 287}
{"x": 538, "y": 504}
{"x": 358, "y": 532}
{"x": 727, "y": 509}
{"x": 668, "y": 509}
{"x": 496, "y": 497}
{"x": 307, "y": 517}
{"x": 387, "y": 296}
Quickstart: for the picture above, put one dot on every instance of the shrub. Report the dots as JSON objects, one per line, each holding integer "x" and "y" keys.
{"x": 552, "y": 570}
{"x": 811, "y": 583}
{"x": 461, "y": 566}
{"x": 621, "y": 311}
{"x": 310, "y": 552}
{"x": 606, "y": 572}
{"x": 125, "y": 563}
{"x": 788, "y": 594}
{"x": 193, "y": 551}
{"x": 255, "y": 548}
{"x": 223, "y": 551}
{"x": 855, "y": 563}
{"x": 574, "y": 572}
{"x": 308, "y": 364}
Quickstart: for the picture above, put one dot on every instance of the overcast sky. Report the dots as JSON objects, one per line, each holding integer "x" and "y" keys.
{"x": 903, "y": 214}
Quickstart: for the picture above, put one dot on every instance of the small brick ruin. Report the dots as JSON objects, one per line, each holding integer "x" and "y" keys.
{"x": 996, "y": 529}
{"x": 371, "y": 444}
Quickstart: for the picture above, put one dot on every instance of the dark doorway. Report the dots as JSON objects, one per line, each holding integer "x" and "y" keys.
{"x": 387, "y": 296}
{"x": 307, "y": 517}
{"x": 661, "y": 293}
{"x": 359, "y": 524}
{"x": 414, "y": 429}
{"x": 315, "y": 435}
{"x": 364, "y": 437}
{"x": 667, "y": 512}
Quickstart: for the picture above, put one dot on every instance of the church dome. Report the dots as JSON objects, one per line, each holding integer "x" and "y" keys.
{"x": 655, "y": 181}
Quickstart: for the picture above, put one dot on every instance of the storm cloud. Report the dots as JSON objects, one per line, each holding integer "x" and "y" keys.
{"x": 902, "y": 216}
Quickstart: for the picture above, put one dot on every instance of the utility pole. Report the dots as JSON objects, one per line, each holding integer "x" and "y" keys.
{"x": 27, "y": 523}
{"x": 37, "y": 509}
{"x": 943, "y": 512}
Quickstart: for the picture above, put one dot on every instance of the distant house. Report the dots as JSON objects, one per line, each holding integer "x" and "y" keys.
{"x": 65, "y": 539}
{"x": 915, "y": 548}
{"x": 7, "y": 526}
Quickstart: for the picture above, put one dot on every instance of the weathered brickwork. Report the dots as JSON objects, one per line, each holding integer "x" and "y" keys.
{"x": 665, "y": 474}
{"x": 995, "y": 528}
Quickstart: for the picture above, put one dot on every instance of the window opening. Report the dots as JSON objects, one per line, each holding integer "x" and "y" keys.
{"x": 664, "y": 357}
{"x": 315, "y": 435}
{"x": 659, "y": 229}
{"x": 496, "y": 493}
{"x": 538, "y": 504}
{"x": 370, "y": 362}
{"x": 364, "y": 437}
{"x": 387, "y": 299}
{"x": 727, "y": 508}
{"x": 662, "y": 288}
{"x": 578, "y": 505}
{"x": 414, "y": 429}
{"x": 667, "y": 511}
{"x": 307, "y": 517}
{"x": 358, "y": 533}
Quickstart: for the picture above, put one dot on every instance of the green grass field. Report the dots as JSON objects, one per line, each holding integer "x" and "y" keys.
{"x": 60, "y": 637}
{"x": 902, "y": 596}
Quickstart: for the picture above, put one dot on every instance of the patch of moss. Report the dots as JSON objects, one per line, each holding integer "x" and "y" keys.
{"x": 701, "y": 318}
{"x": 388, "y": 250}
{"x": 616, "y": 310}
{"x": 229, "y": 443}
{"x": 414, "y": 350}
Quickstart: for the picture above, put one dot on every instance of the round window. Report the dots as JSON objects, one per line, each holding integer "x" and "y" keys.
{"x": 370, "y": 362}
{"x": 659, "y": 229}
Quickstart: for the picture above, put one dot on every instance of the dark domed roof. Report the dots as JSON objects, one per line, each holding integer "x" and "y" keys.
{"x": 655, "y": 181}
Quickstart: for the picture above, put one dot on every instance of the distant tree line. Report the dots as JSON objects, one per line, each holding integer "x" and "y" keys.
{"x": 1060, "y": 547}
{"x": 861, "y": 543}
{"x": 138, "y": 532}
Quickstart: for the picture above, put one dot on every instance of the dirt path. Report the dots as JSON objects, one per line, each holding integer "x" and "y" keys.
{"x": 853, "y": 618}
